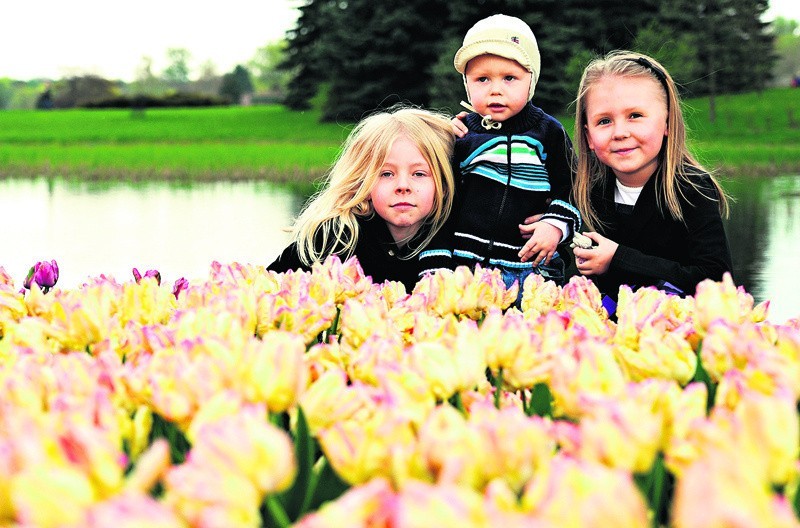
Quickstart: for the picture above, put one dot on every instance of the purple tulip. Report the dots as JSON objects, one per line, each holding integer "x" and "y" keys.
{"x": 43, "y": 274}
{"x": 180, "y": 285}
{"x": 149, "y": 273}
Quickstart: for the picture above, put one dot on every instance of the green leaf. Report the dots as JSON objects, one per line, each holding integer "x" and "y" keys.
{"x": 178, "y": 443}
{"x": 701, "y": 375}
{"x": 273, "y": 514}
{"x": 656, "y": 486}
{"x": 541, "y": 403}
{"x": 295, "y": 497}
{"x": 329, "y": 486}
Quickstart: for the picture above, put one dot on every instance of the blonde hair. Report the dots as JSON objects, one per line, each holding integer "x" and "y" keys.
{"x": 328, "y": 223}
{"x": 674, "y": 158}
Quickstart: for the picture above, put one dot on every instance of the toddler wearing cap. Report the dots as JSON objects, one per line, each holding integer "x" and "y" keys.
{"x": 514, "y": 162}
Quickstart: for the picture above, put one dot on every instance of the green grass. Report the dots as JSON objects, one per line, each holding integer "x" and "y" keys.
{"x": 264, "y": 142}
{"x": 755, "y": 133}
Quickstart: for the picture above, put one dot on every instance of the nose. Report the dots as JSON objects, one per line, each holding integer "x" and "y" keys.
{"x": 621, "y": 131}
{"x": 403, "y": 184}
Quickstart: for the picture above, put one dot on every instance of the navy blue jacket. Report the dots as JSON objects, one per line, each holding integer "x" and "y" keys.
{"x": 504, "y": 176}
{"x": 379, "y": 256}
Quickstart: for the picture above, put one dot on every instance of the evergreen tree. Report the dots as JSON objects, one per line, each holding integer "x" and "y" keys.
{"x": 236, "y": 84}
{"x": 304, "y": 57}
{"x": 381, "y": 54}
{"x": 373, "y": 54}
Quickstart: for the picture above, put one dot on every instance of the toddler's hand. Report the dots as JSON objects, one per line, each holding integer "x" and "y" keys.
{"x": 543, "y": 241}
{"x": 459, "y": 128}
{"x": 526, "y": 229}
{"x": 596, "y": 259}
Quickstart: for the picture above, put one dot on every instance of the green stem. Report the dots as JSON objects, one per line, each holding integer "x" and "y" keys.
{"x": 498, "y": 384}
{"x": 525, "y": 405}
{"x": 277, "y": 512}
{"x": 459, "y": 403}
{"x": 312, "y": 486}
{"x": 335, "y": 326}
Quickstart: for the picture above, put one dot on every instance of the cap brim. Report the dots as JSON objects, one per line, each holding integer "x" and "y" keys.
{"x": 500, "y": 48}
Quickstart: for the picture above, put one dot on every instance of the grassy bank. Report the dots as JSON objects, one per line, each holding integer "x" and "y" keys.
{"x": 757, "y": 133}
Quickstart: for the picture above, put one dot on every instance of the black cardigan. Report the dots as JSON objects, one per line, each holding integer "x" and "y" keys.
{"x": 379, "y": 256}
{"x": 653, "y": 247}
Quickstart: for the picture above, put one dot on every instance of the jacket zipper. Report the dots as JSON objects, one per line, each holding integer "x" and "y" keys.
{"x": 505, "y": 194}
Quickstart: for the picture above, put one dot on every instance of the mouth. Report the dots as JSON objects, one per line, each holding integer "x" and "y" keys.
{"x": 402, "y": 205}
{"x": 497, "y": 107}
{"x": 624, "y": 151}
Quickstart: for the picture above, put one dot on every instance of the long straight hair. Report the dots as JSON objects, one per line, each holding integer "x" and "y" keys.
{"x": 329, "y": 220}
{"x": 676, "y": 165}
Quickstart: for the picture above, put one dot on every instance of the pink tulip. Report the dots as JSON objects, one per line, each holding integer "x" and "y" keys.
{"x": 155, "y": 274}
{"x": 180, "y": 285}
{"x": 43, "y": 274}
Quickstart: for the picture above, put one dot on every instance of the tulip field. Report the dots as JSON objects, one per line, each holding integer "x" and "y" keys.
{"x": 321, "y": 399}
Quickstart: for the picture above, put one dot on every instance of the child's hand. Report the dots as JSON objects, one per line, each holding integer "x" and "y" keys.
{"x": 526, "y": 229}
{"x": 596, "y": 260}
{"x": 543, "y": 242}
{"x": 459, "y": 128}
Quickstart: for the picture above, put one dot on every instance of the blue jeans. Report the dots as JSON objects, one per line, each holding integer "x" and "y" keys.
{"x": 553, "y": 271}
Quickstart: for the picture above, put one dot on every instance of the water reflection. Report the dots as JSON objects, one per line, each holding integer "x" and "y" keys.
{"x": 99, "y": 228}
{"x": 763, "y": 229}
{"x": 94, "y": 228}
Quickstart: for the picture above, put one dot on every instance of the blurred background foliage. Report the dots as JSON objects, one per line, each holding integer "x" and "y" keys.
{"x": 368, "y": 55}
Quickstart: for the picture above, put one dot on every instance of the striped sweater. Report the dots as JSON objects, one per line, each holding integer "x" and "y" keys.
{"x": 504, "y": 176}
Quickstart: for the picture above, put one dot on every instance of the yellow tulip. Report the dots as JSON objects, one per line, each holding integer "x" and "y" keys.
{"x": 721, "y": 300}
{"x": 272, "y": 370}
{"x": 362, "y": 449}
{"x": 587, "y": 370}
{"x": 514, "y": 445}
{"x": 330, "y": 399}
{"x": 132, "y": 510}
{"x": 362, "y": 318}
{"x": 12, "y": 307}
{"x": 204, "y": 497}
{"x": 449, "y": 451}
{"x": 347, "y": 277}
{"x": 246, "y": 444}
{"x": 51, "y": 496}
{"x": 361, "y": 506}
{"x": 571, "y": 493}
{"x": 539, "y": 296}
{"x": 620, "y": 433}
{"x": 420, "y": 504}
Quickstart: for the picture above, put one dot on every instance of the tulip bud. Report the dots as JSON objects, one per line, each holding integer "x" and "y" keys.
{"x": 43, "y": 274}
{"x": 180, "y": 285}
{"x": 155, "y": 274}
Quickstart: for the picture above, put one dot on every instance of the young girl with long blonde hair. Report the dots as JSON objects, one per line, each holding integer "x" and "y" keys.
{"x": 654, "y": 214}
{"x": 385, "y": 197}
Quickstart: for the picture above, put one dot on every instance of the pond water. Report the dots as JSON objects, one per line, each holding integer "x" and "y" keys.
{"x": 93, "y": 229}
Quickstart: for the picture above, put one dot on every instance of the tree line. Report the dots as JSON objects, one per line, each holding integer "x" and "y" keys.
{"x": 257, "y": 80}
{"x": 362, "y": 55}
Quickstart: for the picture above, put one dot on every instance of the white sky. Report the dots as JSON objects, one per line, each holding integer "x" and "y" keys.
{"x": 58, "y": 38}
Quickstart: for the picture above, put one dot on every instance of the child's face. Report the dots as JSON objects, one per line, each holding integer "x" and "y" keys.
{"x": 497, "y": 86}
{"x": 403, "y": 195}
{"x": 626, "y": 122}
